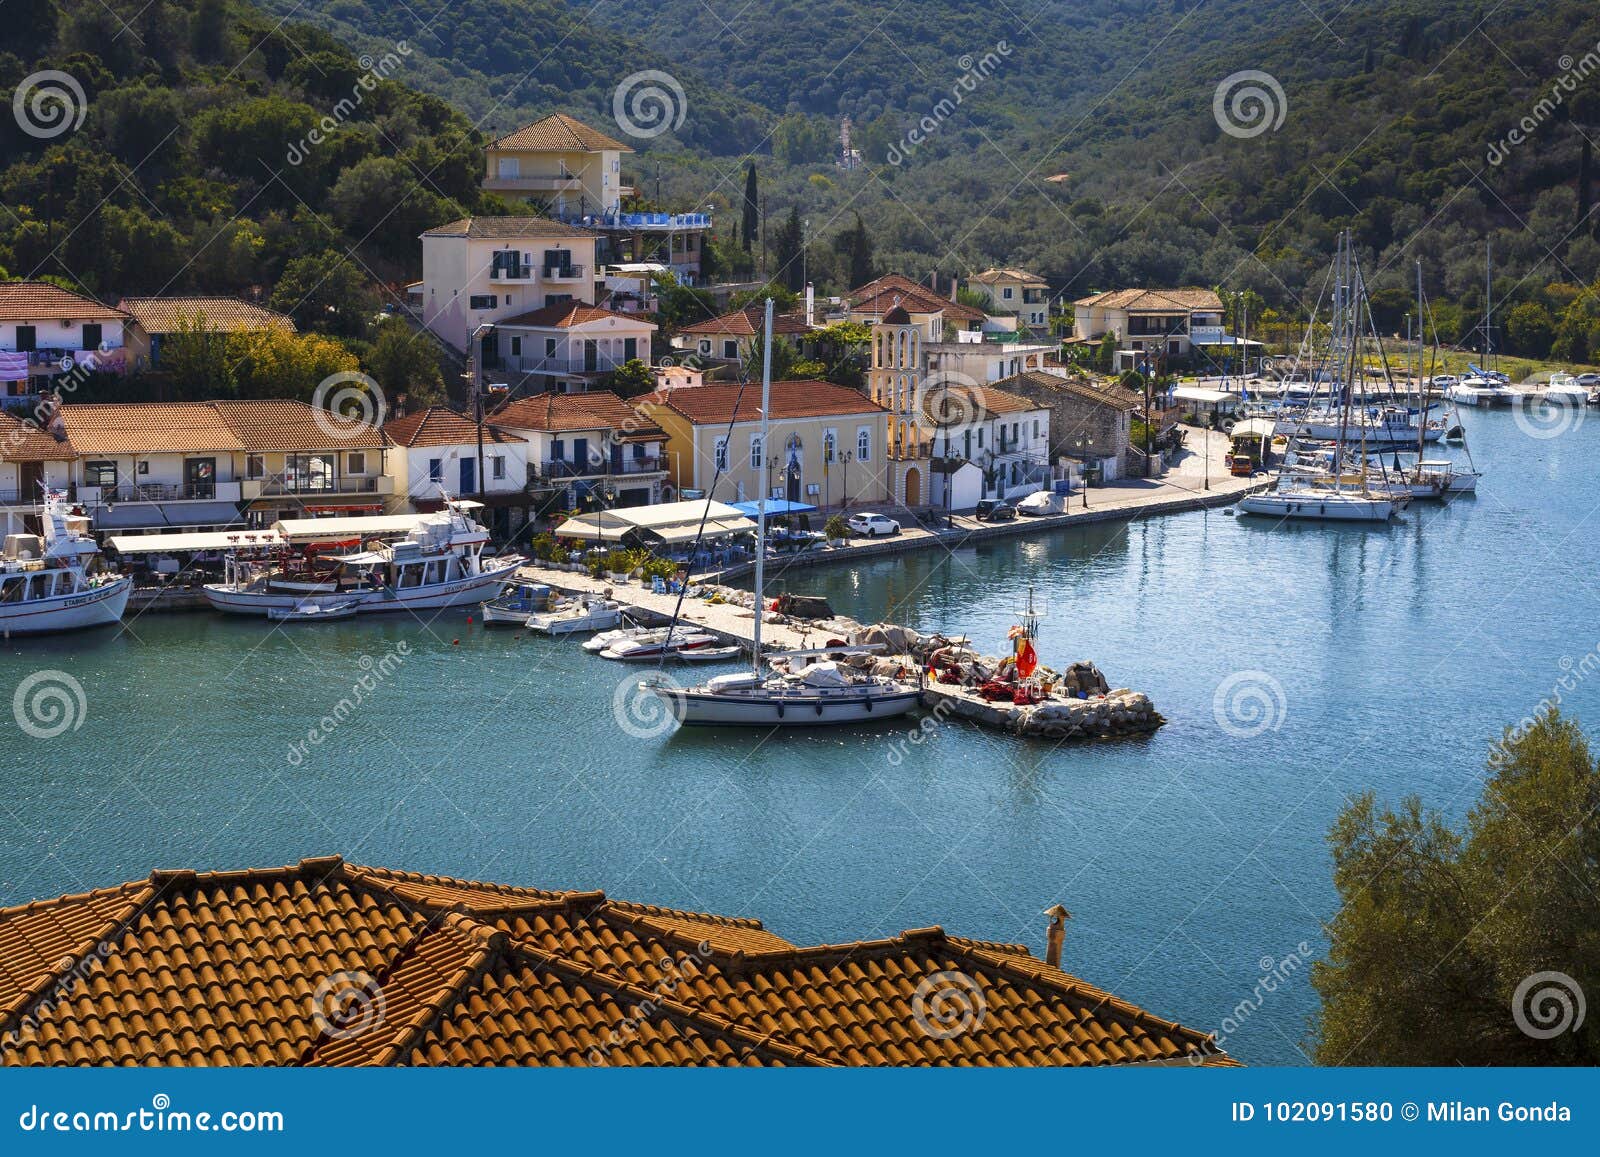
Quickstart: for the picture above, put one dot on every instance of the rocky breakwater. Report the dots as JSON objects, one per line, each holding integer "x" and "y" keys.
{"x": 1074, "y": 703}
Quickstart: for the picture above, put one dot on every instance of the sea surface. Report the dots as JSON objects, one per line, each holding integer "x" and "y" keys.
{"x": 1297, "y": 666}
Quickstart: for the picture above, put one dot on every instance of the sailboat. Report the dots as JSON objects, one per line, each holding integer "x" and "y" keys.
{"x": 819, "y": 694}
{"x": 1333, "y": 496}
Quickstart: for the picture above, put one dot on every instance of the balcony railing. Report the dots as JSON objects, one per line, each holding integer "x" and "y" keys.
{"x": 563, "y": 272}
{"x": 666, "y": 222}
{"x": 560, "y": 468}
{"x": 159, "y": 492}
{"x": 523, "y": 272}
{"x": 559, "y": 365}
{"x": 292, "y": 487}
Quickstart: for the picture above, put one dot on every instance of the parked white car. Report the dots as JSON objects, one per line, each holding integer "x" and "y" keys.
{"x": 872, "y": 525}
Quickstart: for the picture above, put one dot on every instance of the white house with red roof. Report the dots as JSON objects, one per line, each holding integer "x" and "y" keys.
{"x": 589, "y": 449}
{"x": 568, "y": 346}
{"x": 47, "y": 331}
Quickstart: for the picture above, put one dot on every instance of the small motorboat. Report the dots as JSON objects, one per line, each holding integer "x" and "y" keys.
{"x": 675, "y": 643}
{"x": 597, "y": 643}
{"x": 315, "y": 611}
{"x": 577, "y": 616}
{"x": 516, "y": 603}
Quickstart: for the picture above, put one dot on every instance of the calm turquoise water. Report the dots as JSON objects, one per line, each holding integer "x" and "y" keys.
{"x": 1187, "y": 858}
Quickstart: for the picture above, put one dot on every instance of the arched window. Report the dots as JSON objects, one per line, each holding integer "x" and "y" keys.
{"x": 757, "y": 452}
{"x": 722, "y": 454}
{"x": 864, "y": 445}
{"x": 830, "y": 439}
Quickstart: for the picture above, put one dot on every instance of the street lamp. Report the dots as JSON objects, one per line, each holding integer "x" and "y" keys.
{"x": 847, "y": 457}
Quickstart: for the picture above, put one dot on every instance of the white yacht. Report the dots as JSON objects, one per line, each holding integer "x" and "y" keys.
{"x": 407, "y": 562}
{"x": 1382, "y": 427}
{"x": 821, "y": 694}
{"x": 1564, "y": 390}
{"x": 1297, "y": 501}
{"x": 57, "y": 581}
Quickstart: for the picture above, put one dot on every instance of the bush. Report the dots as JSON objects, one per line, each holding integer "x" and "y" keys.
{"x": 836, "y": 527}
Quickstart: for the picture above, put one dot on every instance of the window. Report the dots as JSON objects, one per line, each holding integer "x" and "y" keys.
{"x": 255, "y": 466}
{"x": 705, "y": 346}
{"x": 721, "y": 454}
{"x": 757, "y": 452}
{"x": 435, "y": 470}
{"x": 630, "y": 348}
{"x": 100, "y": 473}
{"x": 1036, "y": 427}
{"x": 482, "y": 301}
{"x": 638, "y": 451}
{"x": 980, "y": 437}
{"x": 549, "y": 347}
{"x": 830, "y": 439}
{"x": 1006, "y": 293}
{"x": 730, "y": 348}
{"x": 558, "y": 451}
{"x": 93, "y": 335}
{"x": 356, "y": 464}
{"x": 498, "y": 467}
{"x": 516, "y": 347}
{"x": 863, "y": 445}
{"x": 27, "y": 339}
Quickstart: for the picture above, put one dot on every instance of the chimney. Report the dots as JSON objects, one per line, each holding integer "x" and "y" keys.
{"x": 811, "y": 302}
{"x": 1055, "y": 934}
{"x": 955, "y": 285}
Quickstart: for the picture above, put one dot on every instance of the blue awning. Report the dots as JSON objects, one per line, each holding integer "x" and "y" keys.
{"x": 166, "y": 515}
{"x": 774, "y": 506}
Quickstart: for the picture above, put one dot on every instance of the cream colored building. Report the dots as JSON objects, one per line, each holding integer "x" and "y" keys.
{"x": 480, "y": 270}
{"x": 1015, "y": 291}
{"x": 827, "y": 445}
{"x": 561, "y": 162}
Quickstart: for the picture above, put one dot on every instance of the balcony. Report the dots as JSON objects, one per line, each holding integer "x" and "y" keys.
{"x": 644, "y": 222}
{"x": 559, "y": 365}
{"x": 522, "y": 272}
{"x": 560, "y": 468}
{"x": 556, "y": 183}
{"x": 279, "y": 487}
{"x": 159, "y": 492}
{"x": 564, "y": 272}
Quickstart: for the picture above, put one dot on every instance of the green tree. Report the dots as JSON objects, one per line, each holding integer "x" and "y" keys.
{"x": 197, "y": 360}
{"x": 854, "y": 247}
{"x": 403, "y": 361}
{"x": 1529, "y": 329}
{"x": 789, "y": 249}
{"x": 752, "y": 215}
{"x": 630, "y": 379}
{"x": 273, "y": 363}
{"x": 1438, "y": 929}
{"x": 327, "y": 293}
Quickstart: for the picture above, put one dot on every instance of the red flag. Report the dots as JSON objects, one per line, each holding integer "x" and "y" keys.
{"x": 1027, "y": 658}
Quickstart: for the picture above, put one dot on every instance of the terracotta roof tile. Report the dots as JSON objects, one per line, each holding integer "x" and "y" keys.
{"x": 168, "y": 314}
{"x": 747, "y": 322}
{"x": 41, "y": 301}
{"x": 274, "y": 425}
{"x": 566, "y": 314}
{"x": 716, "y": 403}
{"x": 1154, "y": 300}
{"x": 990, "y": 276}
{"x": 596, "y": 410}
{"x": 1102, "y": 393}
{"x": 325, "y": 963}
{"x": 440, "y": 426}
{"x": 559, "y": 133}
{"x": 24, "y": 441}
{"x": 883, "y": 293}
{"x": 147, "y": 428}
{"x": 507, "y": 228}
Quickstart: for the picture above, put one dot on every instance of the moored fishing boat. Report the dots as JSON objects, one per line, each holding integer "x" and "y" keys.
{"x": 57, "y": 580}
{"x": 393, "y": 563}
{"x": 576, "y": 616}
{"x": 515, "y": 603}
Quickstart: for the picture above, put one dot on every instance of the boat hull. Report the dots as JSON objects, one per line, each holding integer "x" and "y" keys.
{"x": 601, "y": 620}
{"x": 463, "y": 592}
{"x": 700, "y": 709}
{"x": 99, "y": 607}
{"x": 1313, "y": 508}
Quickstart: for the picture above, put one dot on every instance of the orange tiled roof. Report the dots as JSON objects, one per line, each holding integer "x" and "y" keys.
{"x": 280, "y": 425}
{"x": 326, "y": 963}
{"x": 598, "y": 410}
{"x": 882, "y": 294}
{"x": 507, "y": 228}
{"x": 715, "y": 402}
{"x": 147, "y": 428}
{"x": 991, "y": 276}
{"x": 25, "y": 442}
{"x": 566, "y": 314}
{"x": 559, "y": 133}
{"x": 1112, "y": 394}
{"x": 440, "y": 426}
{"x": 1154, "y": 300}
{"x": 747, "y": 322}
{"x": 41, "y": 301}
{"x": 223, "y": 314}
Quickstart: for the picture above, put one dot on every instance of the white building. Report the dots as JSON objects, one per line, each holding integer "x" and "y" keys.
{"x": 482, "y": 270}
{"x": 1015, "y": 291}
{"x": 45, "y": 331}
{"x": 434, "y": 452}
{"x": 568, "y": 346}
{"x": 588, "y": 449}
{"x": 1151, "y": 323}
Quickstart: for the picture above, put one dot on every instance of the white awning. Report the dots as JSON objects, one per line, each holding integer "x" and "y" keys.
{"x": 672, "y": 522}
{"x": 338, "y": 529}
{"x": 197, "y": 540}
{"x": 600, "y": 527}
{"x": 1201, "y": 394}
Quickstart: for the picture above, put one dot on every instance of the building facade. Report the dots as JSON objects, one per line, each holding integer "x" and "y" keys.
{"x": 47, "y": 331}
{"x": 1089, "y": 421}
{"x": 1150, "y": 323}
{"x": 827, "y": 443}
{"x": 588, "y": 450}
{"x": 482, "y": 270}
{"x": 1017, "y": 292}
{"x": 152, "y": 319}
{"x": 567, "y": 346}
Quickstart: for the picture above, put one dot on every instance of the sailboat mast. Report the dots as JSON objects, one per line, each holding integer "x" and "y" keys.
{"x": 761, "y": 504}
{"x": 1424, "y": 392}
